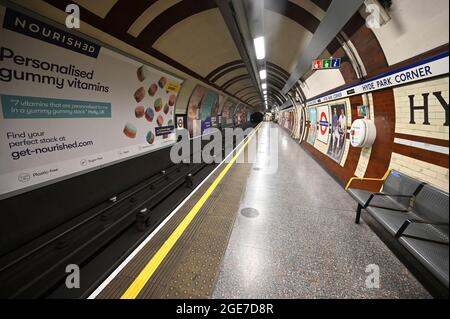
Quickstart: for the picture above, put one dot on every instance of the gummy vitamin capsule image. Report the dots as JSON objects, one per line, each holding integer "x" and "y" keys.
{"x": 130, "y": 130}
{"x": 139, "y": 95}
{"x": 172, "y": 100}
{"x": 139, "y": 111}
{"x": 158, "y": 105}
{"x": 160, "y": 120}
{"x": 150, "y": 137}
{"x": 162, "y": 82}
{"x": 142, "y": 73}
{"x": 152, "y": 90}
{"x": 149, "y": 114}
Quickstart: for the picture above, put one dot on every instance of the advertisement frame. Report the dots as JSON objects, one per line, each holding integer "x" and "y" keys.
{"x": 208, "y": 91}
{"x": 312, "y": 140}
{"x": 118, "y": 51}
{"x": 342, "y": 137}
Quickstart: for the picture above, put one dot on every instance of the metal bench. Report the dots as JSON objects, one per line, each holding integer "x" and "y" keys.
{"x": 425, "y": 234}
{"x": 397, "y": 194}
{"x": 414, "y": 213}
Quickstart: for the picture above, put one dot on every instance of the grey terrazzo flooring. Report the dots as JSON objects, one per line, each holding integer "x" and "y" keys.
{"x": 304, "y": 242}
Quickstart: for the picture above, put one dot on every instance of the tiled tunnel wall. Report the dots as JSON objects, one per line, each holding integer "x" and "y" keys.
{"x": 418, "y": 149}
{"x": 403, "y": 41}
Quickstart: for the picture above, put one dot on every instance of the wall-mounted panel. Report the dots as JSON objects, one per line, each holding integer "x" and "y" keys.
{"x": 338, "y": 134}
{"x": 227, "y": 113}
{"x": 312, "y": 125}
{"x": 59, "y": 90}
{"x": 201, "y": 106}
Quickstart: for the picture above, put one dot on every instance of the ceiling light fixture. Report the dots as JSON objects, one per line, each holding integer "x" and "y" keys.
{"x": 260, "y": 48}
{"x": 264, "y": 86}
{"x": 263, "y": 74}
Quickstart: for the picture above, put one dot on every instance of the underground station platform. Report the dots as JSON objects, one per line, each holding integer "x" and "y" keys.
{"x": 225, "y": 158}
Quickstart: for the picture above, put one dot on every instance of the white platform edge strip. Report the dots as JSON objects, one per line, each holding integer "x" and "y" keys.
{"x": 424, "y": 146}
{"x": 114, "y": 274}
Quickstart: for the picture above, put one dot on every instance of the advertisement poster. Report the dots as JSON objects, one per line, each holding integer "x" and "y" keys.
{"x": 323, "y": 118}
{"x": 240, "y": 115}
{"x": 200, "y": 107}
{"x": 233, "y": 113}
{"x": 227, "y": 113}
{"x": 216, "y": 111}
{"x": 313, "y": 126}
{"x": 69, "y": 105}
{"x": 287, "y": 120}
{"x": 290, "y": 121}
{"x": 301, "y": 124}
{"x": 244, "y": 116}
{"x": 236, "y": 114}
{"x": 222, "y": 102}
{"x": 338, "y": 131}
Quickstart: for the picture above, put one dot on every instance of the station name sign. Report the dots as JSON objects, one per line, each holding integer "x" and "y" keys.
{"x": 429, "y": 68}
{"x": 326, "y": 64}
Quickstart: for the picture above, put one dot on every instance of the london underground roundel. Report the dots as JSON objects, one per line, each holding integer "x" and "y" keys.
{"x": 323, "y": 123}
{"x": 180, "y": 122}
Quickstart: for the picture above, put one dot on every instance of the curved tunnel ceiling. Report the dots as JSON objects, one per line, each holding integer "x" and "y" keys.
{"x": 192, "y": 36}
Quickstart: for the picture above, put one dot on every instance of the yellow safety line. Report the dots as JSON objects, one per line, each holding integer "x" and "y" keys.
{"x": 139, "y": 282}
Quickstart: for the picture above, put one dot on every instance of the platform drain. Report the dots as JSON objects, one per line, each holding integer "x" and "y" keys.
{"x": 249, "y": 212}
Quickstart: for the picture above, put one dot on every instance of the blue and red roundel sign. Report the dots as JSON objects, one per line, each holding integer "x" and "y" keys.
{"x": 323, "y": 123}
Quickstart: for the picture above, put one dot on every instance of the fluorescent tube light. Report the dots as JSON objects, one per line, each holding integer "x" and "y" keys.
{"x": 263, "y": 74}
{"x": 260, "y": 48}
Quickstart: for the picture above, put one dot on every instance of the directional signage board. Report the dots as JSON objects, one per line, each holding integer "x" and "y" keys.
{"x": 326, "y": 64}
{"x": 419, "y": 71}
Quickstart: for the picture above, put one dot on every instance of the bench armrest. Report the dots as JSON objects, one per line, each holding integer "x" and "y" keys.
{"x": 366, "y": 204}
{"x": 409, "y": 221}
{"x": 382, "y": 179}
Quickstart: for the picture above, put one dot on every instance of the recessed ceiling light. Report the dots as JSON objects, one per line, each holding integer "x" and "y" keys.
{"x": 263, "y": 74}
{"x": 260, "y": 48}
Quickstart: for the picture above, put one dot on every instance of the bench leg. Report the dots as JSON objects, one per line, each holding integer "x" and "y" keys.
{"x": 358, "y": 214}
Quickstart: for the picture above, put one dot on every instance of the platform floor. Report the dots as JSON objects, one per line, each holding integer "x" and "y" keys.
{"x": 187, "y": 267}
{"x": 285, "y": 235}
{"x": 304, "y": 243}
